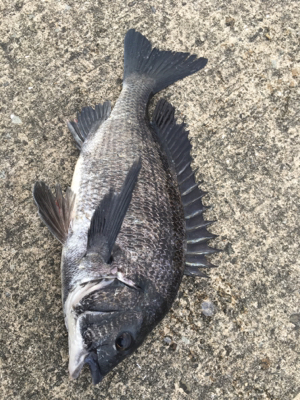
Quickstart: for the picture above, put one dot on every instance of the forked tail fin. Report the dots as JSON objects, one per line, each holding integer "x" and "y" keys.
{"x": 165, "y": 67}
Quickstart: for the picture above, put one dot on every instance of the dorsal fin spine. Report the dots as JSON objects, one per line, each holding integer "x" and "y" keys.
{"x": 202, "y": 194}
{"x": 196, "y": 213}
{"x": 183, "y": 169}
{"x": 191, "y": 173}
{"x": 189, "y": 190}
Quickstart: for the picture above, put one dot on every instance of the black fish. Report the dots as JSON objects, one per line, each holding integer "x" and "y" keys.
{"x": 132, "y": 223}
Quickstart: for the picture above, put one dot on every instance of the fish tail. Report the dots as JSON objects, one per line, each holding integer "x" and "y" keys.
{"x": 164, "y": 67}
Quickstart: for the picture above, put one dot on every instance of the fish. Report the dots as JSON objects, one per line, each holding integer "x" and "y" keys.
{"x": 132, "y": 223}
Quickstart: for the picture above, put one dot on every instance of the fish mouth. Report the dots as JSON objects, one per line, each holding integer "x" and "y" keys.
{"x": 92, "y": 361}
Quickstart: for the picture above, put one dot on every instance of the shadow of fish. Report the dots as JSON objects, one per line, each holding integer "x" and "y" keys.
{"x": 132, "y": 223}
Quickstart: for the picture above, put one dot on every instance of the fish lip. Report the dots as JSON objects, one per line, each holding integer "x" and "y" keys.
{"x": 74, "y": 374}
{"x": 76, "y": 364}
{"x": 92, "y": 360}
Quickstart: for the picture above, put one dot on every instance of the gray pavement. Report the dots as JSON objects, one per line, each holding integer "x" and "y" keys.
{"x": 233, "y": 336}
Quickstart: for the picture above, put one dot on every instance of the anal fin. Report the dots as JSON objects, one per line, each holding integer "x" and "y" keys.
{"x": 88, "y": 121}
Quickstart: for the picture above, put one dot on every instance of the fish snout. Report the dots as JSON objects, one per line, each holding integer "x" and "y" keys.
{"x": 92, "y": 361}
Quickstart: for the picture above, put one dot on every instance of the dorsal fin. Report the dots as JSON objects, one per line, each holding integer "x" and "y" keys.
{"x": 56, "y": 210}
{"x": 109, "y": 215}
{"x": 175, "y": 142}
{"x": 88, "y": 121}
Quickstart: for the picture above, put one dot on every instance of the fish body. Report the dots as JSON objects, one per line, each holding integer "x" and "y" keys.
{"x": 132, "y": 223}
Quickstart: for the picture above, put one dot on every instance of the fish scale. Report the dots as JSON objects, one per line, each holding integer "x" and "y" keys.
{"x": 132, "y": 223}
{"x": 151, "y": 195}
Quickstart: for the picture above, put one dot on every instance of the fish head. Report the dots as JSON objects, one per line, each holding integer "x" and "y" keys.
{"x": 105, "y": 328}
{"x": 110, "y": 339}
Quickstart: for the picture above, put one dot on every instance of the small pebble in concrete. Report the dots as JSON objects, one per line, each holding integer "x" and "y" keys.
{"x": 185, "y": 386}
{"x": 295, "y": 319}
{"x": 15, "y": 119}
{"x": 173, "y": 346}
{"x": 265, "y": 363}
{"x": 167, "y": 340}
{"x": 185, "y": 340}
{"x": 207, "y": 308}
{"x": 229, "y": 21}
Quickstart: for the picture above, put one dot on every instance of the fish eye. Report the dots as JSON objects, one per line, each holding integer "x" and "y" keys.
{"x": 123, "y": 341}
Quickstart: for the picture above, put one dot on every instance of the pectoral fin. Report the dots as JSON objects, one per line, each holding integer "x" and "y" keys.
{"x": 109, "y": 215}
{"x": 56, "y": 210}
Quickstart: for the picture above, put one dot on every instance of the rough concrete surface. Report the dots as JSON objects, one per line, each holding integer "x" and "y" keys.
{"x": 235, "y": 335}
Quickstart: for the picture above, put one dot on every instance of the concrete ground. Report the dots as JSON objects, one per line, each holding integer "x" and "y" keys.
{"x": 233, "y": 336}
